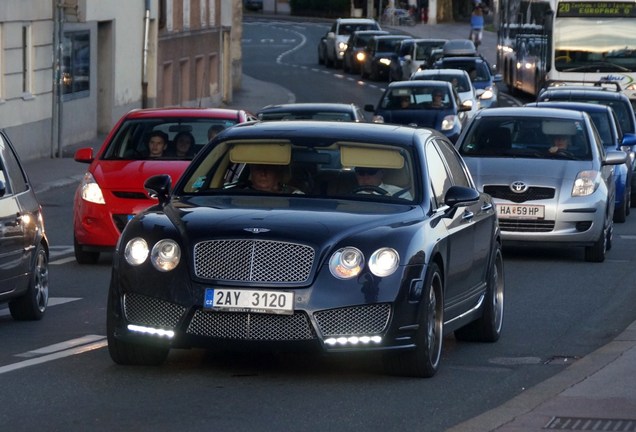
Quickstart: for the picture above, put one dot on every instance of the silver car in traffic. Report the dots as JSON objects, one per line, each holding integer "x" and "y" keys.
{"x": 549, "y": 174}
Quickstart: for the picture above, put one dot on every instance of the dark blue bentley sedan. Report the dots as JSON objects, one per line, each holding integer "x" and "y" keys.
{"x": 425, "y": 103}
{"x": 325, "y": 236}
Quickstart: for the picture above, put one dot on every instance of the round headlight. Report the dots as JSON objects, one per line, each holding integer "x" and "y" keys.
{"x": 346, "y": 263}
{"x": 384, "y": 262}
{"x": 136, "y": 251}
{"x": 165, "y": 255}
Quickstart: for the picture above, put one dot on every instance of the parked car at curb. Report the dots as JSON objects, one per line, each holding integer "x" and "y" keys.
{"x": 548, "y": 173}
{"x": 332, "y": 45}
{"x": 112, "y": 192}
{"x": 319, "y": 111}
{"x": 413, "y": 103}
{"x": 609, "y": 129}
{"x": 339, "y": 266}
{"x": 24, "y": 246}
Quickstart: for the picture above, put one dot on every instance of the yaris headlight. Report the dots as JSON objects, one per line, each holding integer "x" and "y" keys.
{"x": 165, "y": 255}
{"x": 586, "y": 183}
{"x": 385, "y": 61}
{"x": 90, "y": 190}
{"x": 136, "y": 251}
{"x": 346, "y": 263}
{"x": 384, "y": 262}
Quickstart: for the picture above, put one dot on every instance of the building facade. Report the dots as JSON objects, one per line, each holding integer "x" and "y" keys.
{"x": 70, "y": 69}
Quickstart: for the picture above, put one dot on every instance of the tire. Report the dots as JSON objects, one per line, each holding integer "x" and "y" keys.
{"x": 596, "y": 252}
{"x": 488, "y": 327}
{"x": 126, "y": 353}
{"x": 628, "y": 200}
{"x": 620, "y": 212}
{"x": 374, "y": 76}
{"x": 424, "y": 360}
{"x": 82, "y": 256}
{"x": 32, "y": 305}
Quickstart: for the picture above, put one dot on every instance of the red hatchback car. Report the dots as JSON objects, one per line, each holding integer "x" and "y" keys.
{"x": 143, "y": 143}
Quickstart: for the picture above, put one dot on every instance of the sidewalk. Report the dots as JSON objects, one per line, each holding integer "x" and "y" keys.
{"x": 600, "y": 387}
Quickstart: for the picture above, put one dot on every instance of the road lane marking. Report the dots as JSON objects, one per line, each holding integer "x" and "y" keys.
{"x": 63, "y": 261}
{"x": 55, "y": 356}
{"x": 53, "y": 301}
{"x": 62, "y": 346}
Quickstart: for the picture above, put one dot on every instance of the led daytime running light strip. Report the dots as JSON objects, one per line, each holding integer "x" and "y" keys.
{"x": 151, "y": 331}
{"x": 353, "y": 340}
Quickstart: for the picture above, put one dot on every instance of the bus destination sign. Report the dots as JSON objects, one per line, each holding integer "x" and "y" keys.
{"x": 597, "y": 9}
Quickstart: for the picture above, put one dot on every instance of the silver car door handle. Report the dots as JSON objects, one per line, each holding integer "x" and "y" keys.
{"x": 468, "y": 215}
{"x": 486, "y": 207}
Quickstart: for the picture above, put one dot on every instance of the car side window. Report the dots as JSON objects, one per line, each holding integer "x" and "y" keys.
{"x": 13, "y": 175}
{"x": 455, "y": 166}
{"x": 439, "y": 177}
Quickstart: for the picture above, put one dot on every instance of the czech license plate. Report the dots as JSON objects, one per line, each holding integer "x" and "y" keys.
{"x": 258, "y": 301}
{"x": 520, "y": 211}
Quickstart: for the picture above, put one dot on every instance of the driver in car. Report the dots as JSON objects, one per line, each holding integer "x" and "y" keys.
{"x": 370, "y": 180}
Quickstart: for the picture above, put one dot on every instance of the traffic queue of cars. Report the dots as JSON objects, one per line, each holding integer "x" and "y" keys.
{"x": 306, "y": 227}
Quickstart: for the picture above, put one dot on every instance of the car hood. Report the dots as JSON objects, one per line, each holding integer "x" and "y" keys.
{"x": 422, "y": 118}
{"x": 541, "y": 172}
{"x": 322, "y": 224}
{"x": 131, "y": 175}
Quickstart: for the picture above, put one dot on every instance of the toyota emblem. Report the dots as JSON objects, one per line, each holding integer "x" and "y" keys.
{"x": 518, "y": 187}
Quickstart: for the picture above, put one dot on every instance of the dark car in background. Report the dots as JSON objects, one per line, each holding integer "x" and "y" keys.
{"x": 378, "y": 56}
{"x": 413, "y": 55}
{"x": 333, "y": 268}
{"x": 24, "y": 247}
{"x": 611, "y": 135}
{"x": 312, "y": 111}
{"x": 481, "y": 74}
{"x": 333, "y": 45}
{"x": 353, "y": 55}
{"x": 413, "y": 103}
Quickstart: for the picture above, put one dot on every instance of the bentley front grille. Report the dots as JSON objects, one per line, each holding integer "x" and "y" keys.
{"x": 151, "y": 311}
{"x": 253, "y": 261}
{"x": 532, "y": 194}
{"x": 251, "y": 326}
{"x": 359, "y": 320}
{"x": 520, "y": 225}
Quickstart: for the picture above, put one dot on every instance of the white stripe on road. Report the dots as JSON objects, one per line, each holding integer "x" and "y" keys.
{"x": 53, "y": 301}
{"x": 54, "y": 356}
{"x": 62, "y": 346}
{"x": 63, "y": 261}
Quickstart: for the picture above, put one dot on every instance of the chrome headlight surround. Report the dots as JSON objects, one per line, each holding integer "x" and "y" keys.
{"x": 384, "y": 262}
{"x": 136, "y": 251}
{"x": 346, "y": 263}
{"x": 165, "y": 255}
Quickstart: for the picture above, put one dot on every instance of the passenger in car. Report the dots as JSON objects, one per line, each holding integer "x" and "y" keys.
{"x": 270, "y": 178}
{"x": 157, "y": 144}
{"x": 560, "y": 143}
{"x": 184, "y": 145}
{"x": 371, "y": 181}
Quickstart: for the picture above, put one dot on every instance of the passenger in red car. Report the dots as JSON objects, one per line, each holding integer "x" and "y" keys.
{"x": 157, "y": 144}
